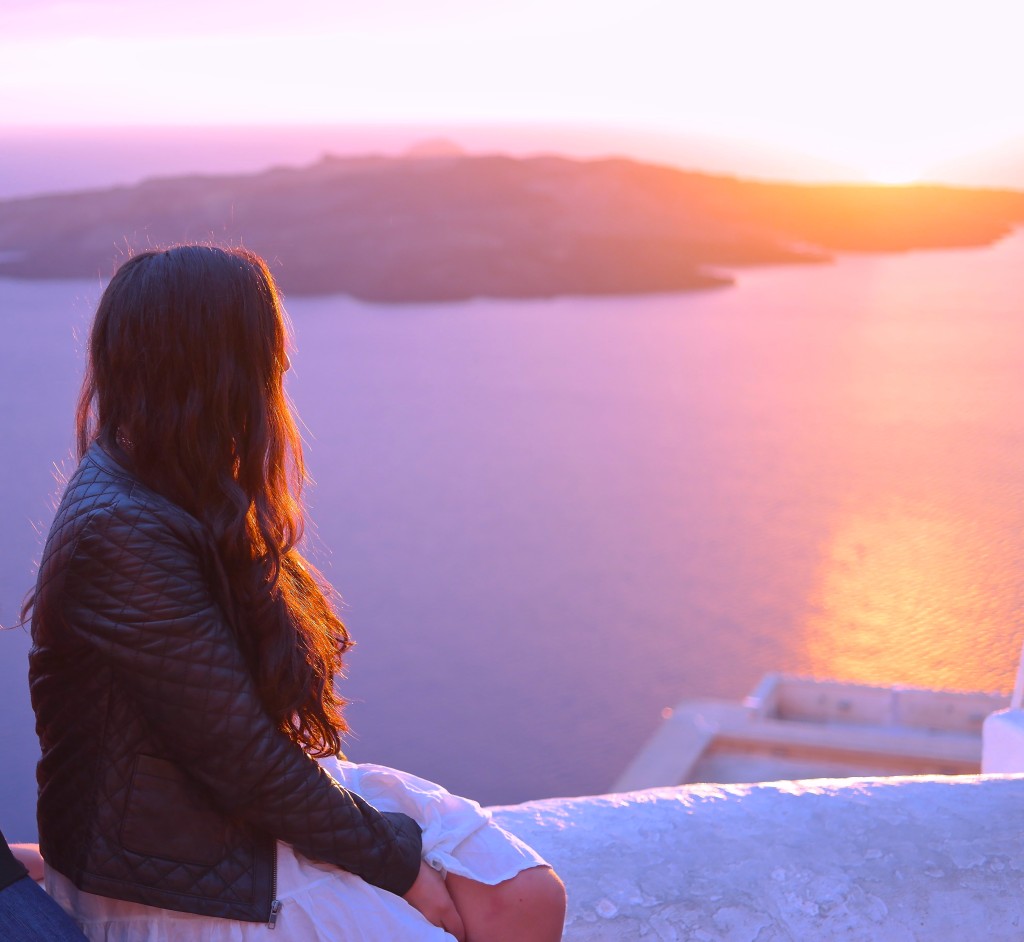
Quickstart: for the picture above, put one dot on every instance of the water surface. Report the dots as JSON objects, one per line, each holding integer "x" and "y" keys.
{"x": 552, "y": 519}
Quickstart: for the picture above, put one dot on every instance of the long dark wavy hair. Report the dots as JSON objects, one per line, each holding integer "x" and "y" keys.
{"x": 186, "y": 361}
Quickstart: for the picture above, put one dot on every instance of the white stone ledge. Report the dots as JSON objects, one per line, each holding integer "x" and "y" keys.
{"x": 894, "y": 859}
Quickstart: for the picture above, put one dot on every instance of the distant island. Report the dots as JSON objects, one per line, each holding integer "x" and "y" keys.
{"x": 442, "y": 226}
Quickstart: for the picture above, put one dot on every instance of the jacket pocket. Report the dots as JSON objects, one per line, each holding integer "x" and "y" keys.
{"x": 167, "y": 816}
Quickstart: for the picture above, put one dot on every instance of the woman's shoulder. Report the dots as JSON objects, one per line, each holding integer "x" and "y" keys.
{"x": 103, "y": 495}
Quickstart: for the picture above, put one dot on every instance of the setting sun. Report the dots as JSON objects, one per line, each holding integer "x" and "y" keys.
{"x": 888, "y": 91}
{"x": 894, "y": 176}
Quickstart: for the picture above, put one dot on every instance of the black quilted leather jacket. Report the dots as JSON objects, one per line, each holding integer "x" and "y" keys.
{"x": 162, "y": 779}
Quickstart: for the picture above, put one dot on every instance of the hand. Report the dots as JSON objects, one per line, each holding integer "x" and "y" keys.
{"x": 30, "y": 857}
{"x": 431, "y": 897}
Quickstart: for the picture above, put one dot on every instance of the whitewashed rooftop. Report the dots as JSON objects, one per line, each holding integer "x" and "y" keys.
{"x": 897, "y": 859}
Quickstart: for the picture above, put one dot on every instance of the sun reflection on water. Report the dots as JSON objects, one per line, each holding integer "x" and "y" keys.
{"x": 920, "y": 580}
{"x": 911, "y": 596}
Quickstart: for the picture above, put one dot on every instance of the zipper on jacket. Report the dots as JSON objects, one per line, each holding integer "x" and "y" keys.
{"x": 275, "y": 903}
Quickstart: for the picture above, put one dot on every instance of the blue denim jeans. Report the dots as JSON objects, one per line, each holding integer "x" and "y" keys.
{"x": 27, "y": 914}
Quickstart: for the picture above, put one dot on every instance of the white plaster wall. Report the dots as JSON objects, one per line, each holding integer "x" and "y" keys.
{"x": 897, "y": 859}
{"x": 1002, "y": 738}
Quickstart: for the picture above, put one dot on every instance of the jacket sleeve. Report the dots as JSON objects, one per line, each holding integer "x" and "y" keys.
{"x": 135, "y": 590}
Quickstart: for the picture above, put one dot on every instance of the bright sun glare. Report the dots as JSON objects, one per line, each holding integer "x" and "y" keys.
{"x": 887, "y": 88}
{"x": 895, "y": 174}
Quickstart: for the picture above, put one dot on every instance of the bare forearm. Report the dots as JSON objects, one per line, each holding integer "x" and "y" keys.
{"x": 30, "y": 858}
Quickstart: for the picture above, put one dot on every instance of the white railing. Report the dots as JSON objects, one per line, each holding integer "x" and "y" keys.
{"x": 929, "y": 859}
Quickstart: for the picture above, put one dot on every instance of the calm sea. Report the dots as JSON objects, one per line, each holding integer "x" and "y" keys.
{"x": 552, "y": 519}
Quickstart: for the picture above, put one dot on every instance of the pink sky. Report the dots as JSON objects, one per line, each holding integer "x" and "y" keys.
{"x": 889, "y": 88}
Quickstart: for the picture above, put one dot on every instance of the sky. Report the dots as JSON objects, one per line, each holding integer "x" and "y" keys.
{"x": 889, "y": 88}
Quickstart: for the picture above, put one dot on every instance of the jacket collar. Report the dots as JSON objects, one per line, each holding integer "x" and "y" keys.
{"x": 114, "y": 460}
